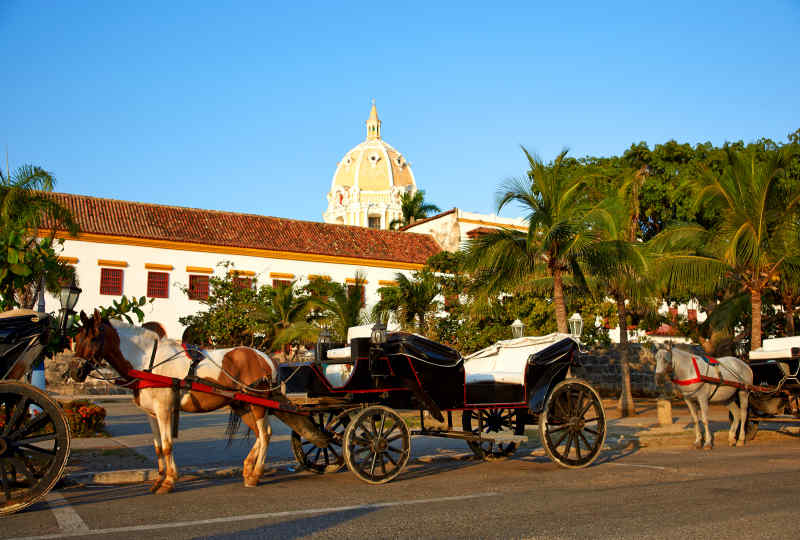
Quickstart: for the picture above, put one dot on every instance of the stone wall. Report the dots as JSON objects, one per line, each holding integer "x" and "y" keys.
{"x": 602, "y": 369}
{"x": 55, "y": 370}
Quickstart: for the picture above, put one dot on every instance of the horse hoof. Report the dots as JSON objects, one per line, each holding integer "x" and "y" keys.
{"x": 697, "y": 446}
{"x": 731, "y": 443}
{"x": 163, "y": 490}
{"x": 739, "y": 443}
{"x": 708, "y": 447}
{"x": 249, "y": 484}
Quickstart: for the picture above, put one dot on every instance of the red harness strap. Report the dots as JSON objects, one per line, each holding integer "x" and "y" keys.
{"x": 713, "y": 380}
{"x": 698, "y": 379}
{"x": 152, "y": 380}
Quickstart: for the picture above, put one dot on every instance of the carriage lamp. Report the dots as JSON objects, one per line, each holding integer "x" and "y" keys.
{"x": 68, "y": 298}
{"x": 741, "y": 347}
{"x": 517, "y": 328}
{"x": 378, "y": 336}
{"x": 324, "y": 337}
{"x": 575, "y": 325}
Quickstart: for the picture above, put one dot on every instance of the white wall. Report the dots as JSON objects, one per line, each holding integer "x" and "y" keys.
{"x": 168, "y": 310}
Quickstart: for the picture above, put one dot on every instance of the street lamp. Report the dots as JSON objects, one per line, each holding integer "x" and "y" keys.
{"x": 517, "y": 328}
{"x": 575, "y": 325}
{"x": 68, "y": 298}
{"x": 378, "y": 336}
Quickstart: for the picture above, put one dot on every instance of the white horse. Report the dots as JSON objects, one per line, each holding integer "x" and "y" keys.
{"x": 685, "y": 370}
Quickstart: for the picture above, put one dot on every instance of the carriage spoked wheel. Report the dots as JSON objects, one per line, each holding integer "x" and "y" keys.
{"x": 34, "y": 445}
{"x": 488, "y": 422}
{"x": 377, "y": 445}
{"x": 572, "y": 425}
{"x": 323, "y": 460}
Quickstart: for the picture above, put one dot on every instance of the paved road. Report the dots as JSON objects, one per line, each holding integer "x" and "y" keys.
{"x": 637, "y": 493}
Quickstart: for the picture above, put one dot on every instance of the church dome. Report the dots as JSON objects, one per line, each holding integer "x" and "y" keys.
{"x": 369, "y": 180}
{"x": 373, "y": 165}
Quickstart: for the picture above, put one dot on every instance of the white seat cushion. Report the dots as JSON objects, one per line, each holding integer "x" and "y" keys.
{"x": 505, "y": 361}
{"x": 342, "y": 353}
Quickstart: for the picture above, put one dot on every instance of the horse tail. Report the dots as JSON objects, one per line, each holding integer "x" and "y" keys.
{"x": 234, "y": 421}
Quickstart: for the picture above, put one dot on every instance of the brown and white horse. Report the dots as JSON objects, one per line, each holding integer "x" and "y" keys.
{"x": 127, "y": 347}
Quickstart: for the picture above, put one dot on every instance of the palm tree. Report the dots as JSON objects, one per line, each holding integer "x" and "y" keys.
{"x": 412, "y": 300}
{"x": 25, "y": 207}
{"x": 559, "y": 215}
{"x": 413, "y": 207}
{"x": 342, "y": 307}
{"x": 757, "y": 235}
{"x": 621, "y": 269}
{"x": 285, "y": 316}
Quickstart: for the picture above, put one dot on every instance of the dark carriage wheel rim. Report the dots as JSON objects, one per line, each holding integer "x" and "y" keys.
{"x": 34, "y": 448}
{"x": 377, "y": 445}
{"x": 573, "y": 425}
{"x": 323, "y": 460}
{"x": 488, "y": 421}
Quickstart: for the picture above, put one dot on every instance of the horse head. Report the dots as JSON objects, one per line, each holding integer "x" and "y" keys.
{"x": 663, "y": 364}
{"x": 96, "y": 341}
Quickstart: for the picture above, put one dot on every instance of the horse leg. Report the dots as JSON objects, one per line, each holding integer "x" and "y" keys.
{"x": 698, "y": 437}
{"x": 733, "y": 407}
{"x": 703, "y": 402}
{"x": 164, "y": 417}
{"x": 159, "y": 453}
{"x": 264, "y": 433}
{"x": 744, "y": 398}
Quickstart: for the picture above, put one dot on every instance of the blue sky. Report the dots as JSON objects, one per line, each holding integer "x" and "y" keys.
{"x": 249, "y": 106}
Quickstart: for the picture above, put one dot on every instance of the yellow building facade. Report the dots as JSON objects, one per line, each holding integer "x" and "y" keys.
{"x": 369, "y": 181}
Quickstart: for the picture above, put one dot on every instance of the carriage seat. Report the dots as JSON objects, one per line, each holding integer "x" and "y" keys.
{"x": 343, "y": 355}
{"x": 506, "y": 361}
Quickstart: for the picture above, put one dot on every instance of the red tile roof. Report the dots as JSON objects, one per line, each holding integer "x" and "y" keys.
{"x": 212, "y": 227}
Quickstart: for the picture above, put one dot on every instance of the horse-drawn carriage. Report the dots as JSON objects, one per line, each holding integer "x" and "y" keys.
{"x": 353, "y": 393}
{"x": 34, "y": 435}
{"x": 343, "y": 406}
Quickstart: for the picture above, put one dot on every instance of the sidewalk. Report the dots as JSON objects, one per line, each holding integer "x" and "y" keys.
{"x": 127, "y": 455}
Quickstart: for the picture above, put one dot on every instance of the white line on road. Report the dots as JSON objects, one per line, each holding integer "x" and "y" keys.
{"x": 642, "y": 466}
{"x": 68, "y": 519}
{"x": 269, "y": 515}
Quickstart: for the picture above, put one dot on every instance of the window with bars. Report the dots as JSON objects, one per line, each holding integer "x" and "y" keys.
{"x": 374, "y": 222}
{"x": 158, "y": 284}
{"x": 280, "y": 283}
{"x": 351, "y": 289}
{"x": 198, "y": 287}
{"x": 111, "y": 281}
{"x": 243, "y": 282}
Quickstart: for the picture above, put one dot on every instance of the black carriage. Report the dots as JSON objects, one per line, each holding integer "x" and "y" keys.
{"x": 353, "y": 394}
{"x": 775, "y": 394}
{"x": 34, "y": 435}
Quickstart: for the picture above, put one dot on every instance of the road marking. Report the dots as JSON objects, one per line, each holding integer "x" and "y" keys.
{"x": 68, "y": 519}
{"x": 233, "y": 519}
{"x": 642, "y": 466}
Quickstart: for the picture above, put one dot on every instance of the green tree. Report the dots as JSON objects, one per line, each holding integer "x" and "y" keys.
{"x": 413, "y": 207}
{"x": 559, "y": 215}
{"x": 341, "y": 306}
{"x": 285, "y": 317}
{"x": 26, "y": 258}
{"x": 757, "y": 233}
{"x": 412, "y": 300}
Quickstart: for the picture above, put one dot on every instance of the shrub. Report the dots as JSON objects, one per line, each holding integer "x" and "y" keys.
{"x": 86, "y": 419}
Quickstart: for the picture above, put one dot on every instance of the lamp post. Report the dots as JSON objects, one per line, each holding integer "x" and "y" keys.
{"x": 323, "y": 341}
{"x": 517, "y": 328}
{"x": 68, "y": 298}
{"x": 575, "y": 325}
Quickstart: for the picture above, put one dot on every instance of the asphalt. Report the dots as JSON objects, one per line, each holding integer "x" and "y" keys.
{"x": 202, "y": 449}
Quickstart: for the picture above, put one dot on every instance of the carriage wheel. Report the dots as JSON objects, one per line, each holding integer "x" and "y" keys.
{"x": 488, "y": 421}
{"x": 572, "y": 425}
{"x": 377, "y": 445}
{"x": 34, "y": 445}
{"x": 323, "y": 460}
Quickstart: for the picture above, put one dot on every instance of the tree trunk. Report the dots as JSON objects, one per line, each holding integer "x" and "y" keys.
{"x": 788, "y": 309}
{"x": 755, "y": 332}
{"x": 558, "y": 302}
{"x": 626, "y": 405}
